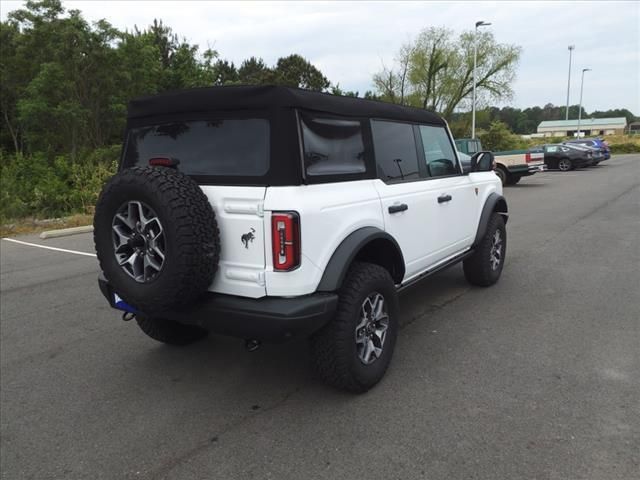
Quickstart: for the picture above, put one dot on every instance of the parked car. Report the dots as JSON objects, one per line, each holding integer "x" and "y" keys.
{"x": 566, "y": 157}
{"x": 596, "y": 153}
{"x": 596, "y": 143}
{"x": 511, "y": 165}
{"x": 270, "y": 213}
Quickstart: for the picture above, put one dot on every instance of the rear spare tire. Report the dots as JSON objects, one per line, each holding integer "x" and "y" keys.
{"x": 156, "y": 238}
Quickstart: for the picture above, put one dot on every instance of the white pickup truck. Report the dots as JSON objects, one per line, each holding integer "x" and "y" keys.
{"x": 511, "y": 165}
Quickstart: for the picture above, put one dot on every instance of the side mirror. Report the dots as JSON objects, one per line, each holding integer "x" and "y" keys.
{"x": 482, "y": 162}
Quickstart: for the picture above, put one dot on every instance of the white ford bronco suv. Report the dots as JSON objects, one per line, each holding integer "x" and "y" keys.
{"x": 269, "y": 213}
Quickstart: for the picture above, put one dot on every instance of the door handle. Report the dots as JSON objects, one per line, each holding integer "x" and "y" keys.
{"x": 444, "y": 198}
{"x": 398, "y": 208}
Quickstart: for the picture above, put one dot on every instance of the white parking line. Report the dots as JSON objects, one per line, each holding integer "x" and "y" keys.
{"x": 75, "y": 252}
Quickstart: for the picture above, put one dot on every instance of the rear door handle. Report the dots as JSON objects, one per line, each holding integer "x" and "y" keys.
{"x": 398, "y": 208}
{"x": 444, "y": 198}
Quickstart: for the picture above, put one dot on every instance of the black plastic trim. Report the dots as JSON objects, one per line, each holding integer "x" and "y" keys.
{"x": 271, "y": 319}
{"x": 339, "y": 263}
{"x": 487, "y": 210}
{"x": 434, "y": 270}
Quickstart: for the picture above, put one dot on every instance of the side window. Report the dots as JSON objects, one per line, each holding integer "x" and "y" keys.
{"x": 552, "y": 149}
{"x": 395, "y": 148}
{"x": 332, "y": 146}
{"x": 438, "y": 152}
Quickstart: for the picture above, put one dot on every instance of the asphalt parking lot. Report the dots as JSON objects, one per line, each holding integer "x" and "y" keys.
{"x": 536, "y": 377}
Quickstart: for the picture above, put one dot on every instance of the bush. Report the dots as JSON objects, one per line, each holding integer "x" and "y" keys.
{"x": 34, "y": 185}
{"x": 628, "y": 147}
{"x": 499, "y": 138}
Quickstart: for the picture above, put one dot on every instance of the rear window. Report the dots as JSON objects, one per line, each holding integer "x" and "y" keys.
{"x": 332, "y": 145}
{"x": 232, "y": 147}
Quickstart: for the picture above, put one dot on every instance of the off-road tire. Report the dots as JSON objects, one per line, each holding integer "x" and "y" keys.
{"x": 333, "y": 349}
{"x": 192, "y": 238}
{"x": 170, "y": 332}
{"x": 477, "y": 267}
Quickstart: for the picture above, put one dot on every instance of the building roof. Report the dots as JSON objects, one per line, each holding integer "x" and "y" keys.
{"x": 584, "y": 123}
{"x": 269, "y": 97}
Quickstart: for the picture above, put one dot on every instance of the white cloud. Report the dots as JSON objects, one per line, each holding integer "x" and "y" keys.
{"x": 349, "y": 40}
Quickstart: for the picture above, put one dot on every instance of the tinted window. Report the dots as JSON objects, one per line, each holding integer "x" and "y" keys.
{"x": 473, "y": 147}
{"x": 395, "y": 148}
{"x": 332, "y": 146}
{"x": 212, "y": 147}
{"x": 438, "y": 152}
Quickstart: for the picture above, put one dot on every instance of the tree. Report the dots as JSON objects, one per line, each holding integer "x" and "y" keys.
{"x": 295, "y": 71}
{"x": 435, "y": 71}
{"x": 500, "y": 138}
{"x": 254, "y": 71}
{"x": 336, "y": 90}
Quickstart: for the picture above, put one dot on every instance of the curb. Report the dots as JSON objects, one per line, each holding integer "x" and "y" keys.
{"x": 65, "y": 232}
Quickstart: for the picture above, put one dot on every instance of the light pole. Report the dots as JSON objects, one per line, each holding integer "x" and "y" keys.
{"x": 580, "y": 106}
{"x": 571, "y": 47}
{"x": 475, "y": 62}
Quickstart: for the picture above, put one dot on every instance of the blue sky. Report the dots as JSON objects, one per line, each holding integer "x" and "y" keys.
{"x": 349, "y": 41}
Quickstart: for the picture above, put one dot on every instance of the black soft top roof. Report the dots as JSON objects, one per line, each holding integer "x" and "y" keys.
{"x": 271, "y": 97}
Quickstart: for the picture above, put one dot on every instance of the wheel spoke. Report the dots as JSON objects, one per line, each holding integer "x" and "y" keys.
{"x": 368, "y": 350}
{"x": 371, "y": 330}
{"x": 133, "y": 213}
{"x": 138, "y": 241}
{"x": 378, "y": 307}
{"x": 125, "y": 221}
{"x": 158, "y": 252}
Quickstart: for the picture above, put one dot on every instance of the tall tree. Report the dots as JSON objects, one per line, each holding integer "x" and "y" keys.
{"x": 296, "y": 71}
{"x": 440, "y": 71}
{"x": 253, "y": 71}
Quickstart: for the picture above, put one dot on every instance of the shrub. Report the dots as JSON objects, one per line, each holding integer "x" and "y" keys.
{"x": 628, "y": 147}
{"x": 500, "y": 138}
{"x": 34, "y": 185}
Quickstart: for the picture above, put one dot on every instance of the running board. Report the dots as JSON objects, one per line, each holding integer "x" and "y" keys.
{"x": 438, "y": 268}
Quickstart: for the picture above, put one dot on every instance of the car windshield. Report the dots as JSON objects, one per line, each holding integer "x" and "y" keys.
{"x": 228, "y": 147}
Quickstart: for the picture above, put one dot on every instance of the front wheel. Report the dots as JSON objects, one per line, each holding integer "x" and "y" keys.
{"x": 353, "y": 351}
{"x": 565, "y": 165}
{"x": 484, "y": 266}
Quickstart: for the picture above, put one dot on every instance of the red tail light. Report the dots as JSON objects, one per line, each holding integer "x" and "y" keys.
{"x": 527, "y": 157}
{"x": 285, "y": 239}
{"x": 164, "y": 162}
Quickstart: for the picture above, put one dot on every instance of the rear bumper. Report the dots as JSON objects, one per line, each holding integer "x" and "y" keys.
{"x": 581, "y": 162}
{"x": 273, "y": 319}
{"x": 525, "y": 170}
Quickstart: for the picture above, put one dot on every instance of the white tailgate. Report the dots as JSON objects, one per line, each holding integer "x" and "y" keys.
{"x": 239, "y": 211}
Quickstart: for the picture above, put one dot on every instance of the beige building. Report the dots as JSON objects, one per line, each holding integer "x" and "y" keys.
{"x": 588, "y": 127}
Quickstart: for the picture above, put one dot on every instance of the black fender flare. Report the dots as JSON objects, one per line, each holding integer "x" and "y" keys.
{"x": 494, "y": 203}
{"x": 338, "y": 265}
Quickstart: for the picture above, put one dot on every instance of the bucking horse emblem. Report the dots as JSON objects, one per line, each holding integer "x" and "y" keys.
{"x": 248, "y": 237}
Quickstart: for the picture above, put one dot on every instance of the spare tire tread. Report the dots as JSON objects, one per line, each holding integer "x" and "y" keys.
{"x": 190, "y": 218}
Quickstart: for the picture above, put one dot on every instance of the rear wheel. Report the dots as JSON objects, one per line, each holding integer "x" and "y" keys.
{"x": 565, "y": 165}
{"x": 502, "y": 174}
{"x": 484, "y": 267}
{"x": 513, "y": 179}
{"x": 170, "y": 332}
{"x": 354, "y": 350}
